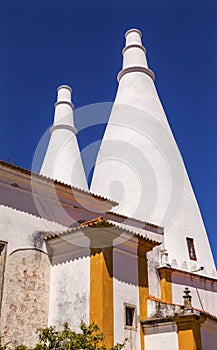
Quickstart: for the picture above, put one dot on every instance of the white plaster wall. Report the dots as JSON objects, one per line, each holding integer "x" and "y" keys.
{"x": 204, "y": 293}
{"x": 19, "y": 229}
{"x": 125, "y": 291}
{"x": 163, "y": 337}
{"x": 188, "y": 223}
{"x": 208, "y": 335}
{"x": 70, "y": 293}
{"x": 152, "y": 256}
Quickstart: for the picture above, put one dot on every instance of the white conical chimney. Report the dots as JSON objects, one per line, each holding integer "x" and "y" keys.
{"x": 62, "y": 160}
{"x": 139, "y": 164}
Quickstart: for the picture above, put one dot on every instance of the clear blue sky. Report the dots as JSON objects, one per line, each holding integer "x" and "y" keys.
{"x": 45, "y": 43}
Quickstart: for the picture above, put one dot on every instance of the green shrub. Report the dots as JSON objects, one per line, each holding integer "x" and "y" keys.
{"x": 88, "y": 338}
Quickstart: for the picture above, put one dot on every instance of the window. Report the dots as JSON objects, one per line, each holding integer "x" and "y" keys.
{"x": 130, "y": 316}
{"x": 3, "y": 253}
{"x": 191, "y": 249}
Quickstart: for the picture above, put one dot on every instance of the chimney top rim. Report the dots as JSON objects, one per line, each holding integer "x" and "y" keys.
{"x": 133, "y": 30}
{"x": 64, "y": 87}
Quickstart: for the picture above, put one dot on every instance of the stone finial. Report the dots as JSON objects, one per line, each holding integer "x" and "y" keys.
{"x": 187, "y": 299}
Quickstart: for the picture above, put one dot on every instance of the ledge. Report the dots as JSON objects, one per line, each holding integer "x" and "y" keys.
{"x": 133, "y": 69}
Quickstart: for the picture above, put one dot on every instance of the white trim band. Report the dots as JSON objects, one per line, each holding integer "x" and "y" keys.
{"x": 136, "y": 69}
{"x": 63, "y": 126}
{"x": 132, "y": 46}
{"x": 64, "y": 102}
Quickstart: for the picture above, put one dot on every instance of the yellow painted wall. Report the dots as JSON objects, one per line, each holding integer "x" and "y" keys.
{"x": 189, "y": 335}
{"x": 101, "y": 292}
{"x": 143, "y": 289}
{"x": 166, "y": 285}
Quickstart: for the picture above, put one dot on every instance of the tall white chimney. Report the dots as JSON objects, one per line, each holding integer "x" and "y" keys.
{"x": 140, "y": 166}
{"x": 62, "y": 160}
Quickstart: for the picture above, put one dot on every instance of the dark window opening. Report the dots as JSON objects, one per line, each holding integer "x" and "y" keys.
{"x": 130, "y": 316}
{"x": 191, "y": 249}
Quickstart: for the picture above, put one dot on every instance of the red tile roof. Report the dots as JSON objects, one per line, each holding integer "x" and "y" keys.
{"x": 96, "y": 223}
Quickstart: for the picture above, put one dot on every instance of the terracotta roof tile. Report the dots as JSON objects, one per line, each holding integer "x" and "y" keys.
{"x": 29, "y": 172}
{"x": 206, "y": 313}
{"x": 97, "y": 222}
{"x": 159, "y": 228}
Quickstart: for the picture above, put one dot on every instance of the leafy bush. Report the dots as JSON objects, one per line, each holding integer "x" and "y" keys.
{"x": 89, "y": 338}
{"x": 3, "y": 346}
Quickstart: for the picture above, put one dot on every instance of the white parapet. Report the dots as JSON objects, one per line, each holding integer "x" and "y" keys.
{"x": 62, "y": 161}
{"x": 140, "y": 166}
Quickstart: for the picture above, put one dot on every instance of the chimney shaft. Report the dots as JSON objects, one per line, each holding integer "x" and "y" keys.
{"x": 62, "y": 161}
{"x": 134, "y": 55}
